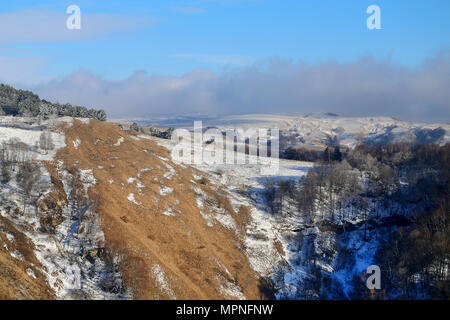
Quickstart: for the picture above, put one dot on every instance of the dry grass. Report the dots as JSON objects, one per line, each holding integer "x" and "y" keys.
{"x": 15, "y": 282}
{"x": 183, "y": 246}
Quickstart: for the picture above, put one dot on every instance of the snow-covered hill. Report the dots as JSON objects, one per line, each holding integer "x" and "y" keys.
{"x": 318, "y": 131}
{"x": 325, "y": 130}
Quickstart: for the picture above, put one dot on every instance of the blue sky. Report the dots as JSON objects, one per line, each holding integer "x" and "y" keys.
{"x": 175, "y": 38}
{"x": 184, "y": 35}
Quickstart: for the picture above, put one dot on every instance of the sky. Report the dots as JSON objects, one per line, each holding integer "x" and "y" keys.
{"x": 147, "y": 58}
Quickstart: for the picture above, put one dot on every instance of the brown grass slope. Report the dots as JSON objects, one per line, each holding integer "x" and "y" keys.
{"x": 15, "y": 282}
{"x": 191, "y": 255}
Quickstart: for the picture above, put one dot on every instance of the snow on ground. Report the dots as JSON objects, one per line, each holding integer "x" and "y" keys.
{"x": 230, "y": 289}
{"x": 315, "y": 130}
{"x": 119, "y": 142}
{"x": 264, "y": 228}
{"x": 139, "y": 184}
{"x": 132, "y": 199}
{"x": 162, "y": 281}
{"x": 76, "y": 143}
{"x": 62, "y": 252}
{"x": 84, "y": 120}
{"x": 30, "y": 136}
{"x": 164, "y": 191}
{"x": 142, "y": 171}
{"x": 227, "y": 286}
{"x": 30, "y": 272}
{"x": 168, "y": 212}
{"x": 87, "y": 178}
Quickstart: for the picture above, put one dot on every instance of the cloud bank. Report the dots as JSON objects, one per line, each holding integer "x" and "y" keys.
{"x": 363, "y": 88}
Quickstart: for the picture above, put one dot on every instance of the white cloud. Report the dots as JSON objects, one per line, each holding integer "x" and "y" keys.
{"x": 49, "y": 26}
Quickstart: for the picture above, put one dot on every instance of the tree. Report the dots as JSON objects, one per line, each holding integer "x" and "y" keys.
{"x": 27, "y": 178}
{"x": 337, "y": 155}
{"x": 327, "y": 157}
{"x": 134, "y": 127}
{"x": 307, "y": 196}
{"x": 46, "y": 141}
{"x": 5, "y": 173}
{"x": 271, "y": 195}
{"x": 387, "y": 178}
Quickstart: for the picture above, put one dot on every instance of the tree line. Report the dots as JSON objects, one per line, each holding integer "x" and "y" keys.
{"x": 25, "y": 103}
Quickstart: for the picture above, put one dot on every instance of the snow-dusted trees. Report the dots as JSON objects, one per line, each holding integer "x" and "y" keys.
{"x": 418, "y": 259}
{"x": 14, "y": 152}
{"x": 387, "y": 178}
{"x": 5, "y": 172}
{"x": 46, "y": 141}
{"x": 135, "y": 127}
{"x": 276, "y": 192}
{"x": 26, "y": 103}
{"x": 308, "y": 196}
{"x": 161, "y": 133}
{"x": 27, "y": 179}
{"x": 373, "y": 193}
{"x": 301, "y": 154}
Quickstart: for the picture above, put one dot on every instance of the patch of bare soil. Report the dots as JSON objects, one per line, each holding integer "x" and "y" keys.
{"x": 149, "y": 215}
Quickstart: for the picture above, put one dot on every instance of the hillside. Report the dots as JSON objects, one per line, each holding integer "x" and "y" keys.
{"x": 100, "y": 212}
{"x": 114, "y": 201}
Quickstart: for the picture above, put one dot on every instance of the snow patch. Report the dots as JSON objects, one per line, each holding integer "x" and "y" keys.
{"x": 30, "y": 272}
{"x": 164, "y": 191}
{"x": 76, "y": 143}
{"x": 87, "y": 179}
{"x": 162, "y": 281}
{"x": 119, "y": 142}
{"x": 169, "y": 212}
{"x": 133, "y": 200}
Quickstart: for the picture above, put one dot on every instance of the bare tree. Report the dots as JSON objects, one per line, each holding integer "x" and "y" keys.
{"x": 27, "y": 178}
{"x": 5, "y": 172}
{"x": 46, "y": 141}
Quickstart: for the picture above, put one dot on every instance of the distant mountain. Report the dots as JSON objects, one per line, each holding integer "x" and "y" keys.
{"x": 25, "y": 103}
